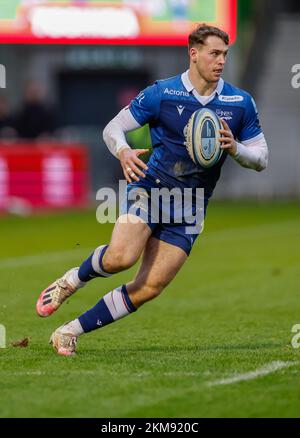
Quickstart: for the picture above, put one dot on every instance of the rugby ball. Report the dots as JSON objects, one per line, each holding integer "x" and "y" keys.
{"x": 202, "y": 133}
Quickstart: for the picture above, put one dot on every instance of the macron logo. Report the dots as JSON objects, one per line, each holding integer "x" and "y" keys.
{"x": 180, "y": 109}
{"x": 176, "y": 92}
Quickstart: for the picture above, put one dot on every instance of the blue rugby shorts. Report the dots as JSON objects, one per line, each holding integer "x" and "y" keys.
{"x": 166, "y": 219}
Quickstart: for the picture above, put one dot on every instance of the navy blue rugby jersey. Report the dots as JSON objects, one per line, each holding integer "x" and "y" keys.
{"x": 167, "y": 106}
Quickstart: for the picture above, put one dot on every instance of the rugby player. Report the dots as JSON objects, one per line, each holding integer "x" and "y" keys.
{"x": 166, "y": 106}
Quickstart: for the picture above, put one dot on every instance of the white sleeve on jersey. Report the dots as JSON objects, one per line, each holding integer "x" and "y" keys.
{"x": 114, "y": 132}
{"x": 253, "y": 153}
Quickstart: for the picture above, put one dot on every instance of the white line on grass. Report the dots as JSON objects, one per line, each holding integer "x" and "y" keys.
{"x": 48, "y": 373}
{"x": 259, "y": 372}
{"x": 145, "y": 374}
{"x": 252, "y": 231}
{"x": 53, "y": 257}
{"x": 41, "y": 259}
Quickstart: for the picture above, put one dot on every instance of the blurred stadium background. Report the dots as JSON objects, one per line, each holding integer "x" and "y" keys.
{"x": 66, "y": 77}
{"x": 64, "y": 87}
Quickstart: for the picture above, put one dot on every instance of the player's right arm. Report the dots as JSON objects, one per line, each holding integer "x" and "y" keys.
{"x": 140, "y": 111}
{"x": 115, "y": 139}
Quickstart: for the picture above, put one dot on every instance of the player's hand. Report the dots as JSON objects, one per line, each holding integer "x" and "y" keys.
{"x": 131, "y": 164}
{"x": 227, "y": 139}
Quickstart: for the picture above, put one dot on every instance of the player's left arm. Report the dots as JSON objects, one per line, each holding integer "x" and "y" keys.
{"x": 252, "y": 152}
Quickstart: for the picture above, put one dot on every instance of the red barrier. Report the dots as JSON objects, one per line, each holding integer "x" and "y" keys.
{"x": 46, "y": 175}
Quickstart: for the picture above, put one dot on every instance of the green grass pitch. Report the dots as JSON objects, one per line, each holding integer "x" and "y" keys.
{"x": 228, "y": 312}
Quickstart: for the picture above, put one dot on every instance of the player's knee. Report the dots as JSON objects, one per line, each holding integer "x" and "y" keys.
{"x": 116, "y": 260}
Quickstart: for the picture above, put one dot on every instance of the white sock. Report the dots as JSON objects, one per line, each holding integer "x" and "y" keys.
{"x": 73, "y": 327}
{"x": 74, "y": 280}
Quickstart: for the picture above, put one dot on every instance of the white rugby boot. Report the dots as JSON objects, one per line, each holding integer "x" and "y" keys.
{"x": 63, "y": 341}
{"x": 54, "y": 295}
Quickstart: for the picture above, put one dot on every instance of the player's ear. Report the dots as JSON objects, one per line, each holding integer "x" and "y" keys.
{"x": 193, "y": 54}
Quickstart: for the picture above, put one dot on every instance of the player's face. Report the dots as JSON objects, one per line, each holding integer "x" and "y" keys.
{"x": 209, "y": 59}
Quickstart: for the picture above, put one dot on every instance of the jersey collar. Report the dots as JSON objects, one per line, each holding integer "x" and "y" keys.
{"x": 190, "y": 87}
